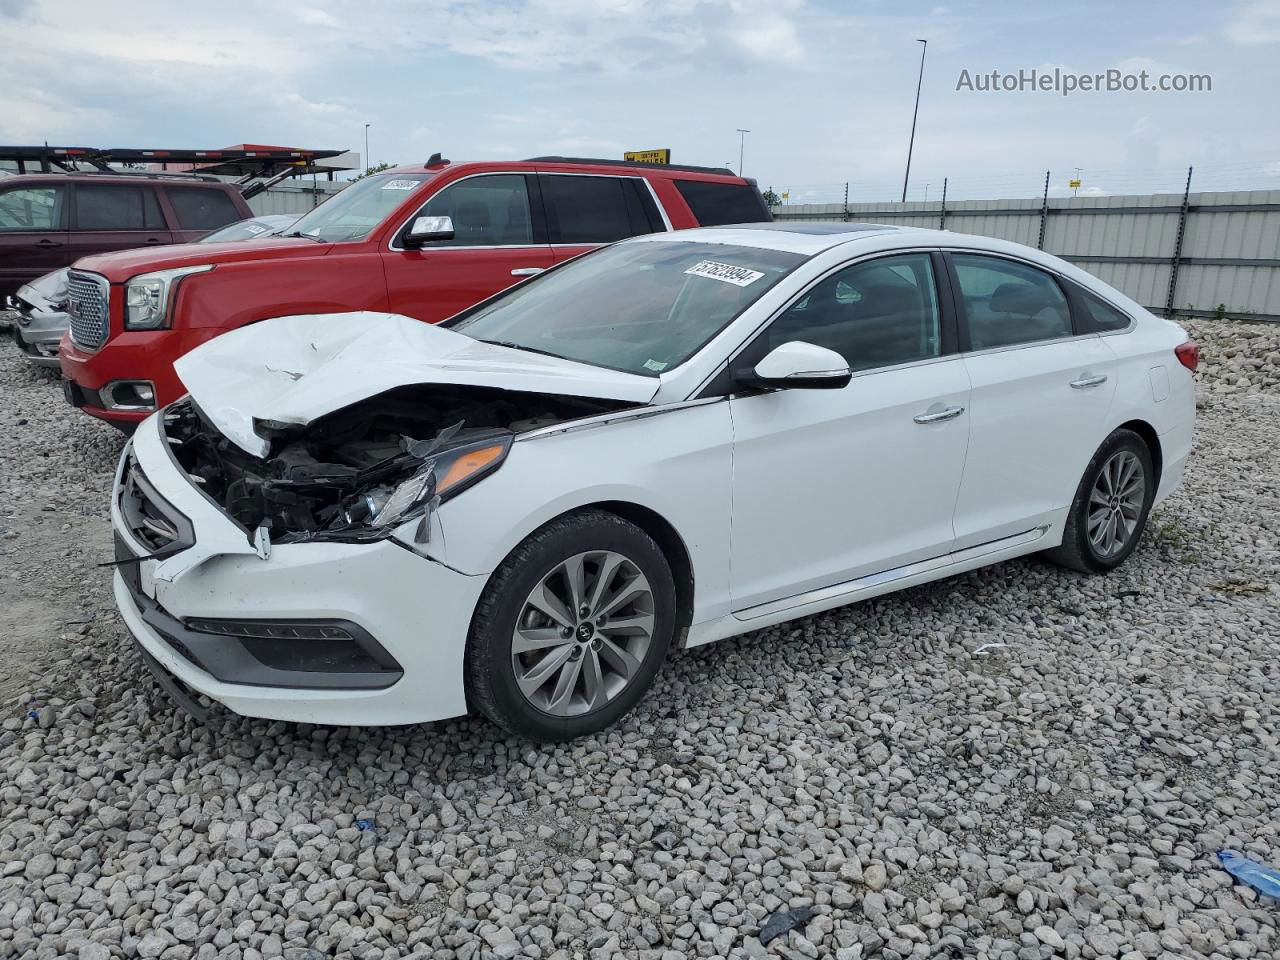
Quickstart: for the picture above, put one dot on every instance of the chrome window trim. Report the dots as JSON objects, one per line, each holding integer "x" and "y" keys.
{"x": 1058, "y": 274}
{"x": 391, "y": 244}
{"x": 618, "y": 416}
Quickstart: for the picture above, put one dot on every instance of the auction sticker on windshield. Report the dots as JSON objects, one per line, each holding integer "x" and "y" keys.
{"x": 399, "y": 184}
{"x": 738, "y": 276}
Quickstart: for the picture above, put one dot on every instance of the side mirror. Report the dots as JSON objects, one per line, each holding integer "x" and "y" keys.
{"x": 798, "y": 365}
{"x": 428, "y": 230}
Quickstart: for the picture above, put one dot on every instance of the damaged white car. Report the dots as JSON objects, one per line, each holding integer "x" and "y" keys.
{"x": 362, "y": 519}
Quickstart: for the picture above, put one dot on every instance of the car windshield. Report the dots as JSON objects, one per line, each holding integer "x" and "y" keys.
{"x": 351, "y": 214}
{"x": 641, "y": 307}
{"x": 246, "y": 230}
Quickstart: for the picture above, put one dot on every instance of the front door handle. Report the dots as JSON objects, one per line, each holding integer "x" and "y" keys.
{"x": 48, "y": 243}
{"x": 154, "y": 240}
{"x": 1083, "y": 383}
{"x": 937, "y": 416}
{"x": 526, "y": 271}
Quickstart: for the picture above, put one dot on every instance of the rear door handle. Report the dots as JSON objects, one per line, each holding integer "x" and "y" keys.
{"x": 48, "y": 243}
{"x": 527, "y": 271}
{"x": 937, "y": 416}
{"x": 154, "y": 240}
{"x": 1083, "y": 383}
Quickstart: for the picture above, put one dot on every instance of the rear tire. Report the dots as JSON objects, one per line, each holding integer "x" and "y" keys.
{"x": 1110, "y": 508}
{"x": 572, "y": 628}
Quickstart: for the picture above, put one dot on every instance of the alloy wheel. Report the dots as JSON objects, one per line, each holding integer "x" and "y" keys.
{"x": 582, "y": 633}
{"x": 1115, "y": 503}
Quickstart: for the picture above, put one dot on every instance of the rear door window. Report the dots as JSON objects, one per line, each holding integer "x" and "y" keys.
{"x": 200, "y": 208}
{"x": 487, "y": 211}
{"x": 715, "y": 204}
{"x": 595, "y": 209}
{"x": 32, "y": 208}
{"x": 113, "y": 206}
{"x": 1006, "y": 303}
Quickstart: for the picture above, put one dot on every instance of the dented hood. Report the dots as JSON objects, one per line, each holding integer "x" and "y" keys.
{"x": 296, "y": 369}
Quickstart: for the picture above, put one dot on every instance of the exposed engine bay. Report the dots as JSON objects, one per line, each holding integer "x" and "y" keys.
{"x": 354, "y": 473}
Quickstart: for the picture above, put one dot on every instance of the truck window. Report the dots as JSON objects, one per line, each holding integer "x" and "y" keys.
{"x": 31, "y": 208}
{"x": 715, "y": 204}
{"x": 111, "y": 206}
{"x": 584, "y": 209}
{"x": 487, "y": 211}
{"x": 200, "y": 208}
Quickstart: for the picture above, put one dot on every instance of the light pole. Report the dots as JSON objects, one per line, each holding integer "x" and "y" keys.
{"x": 911, "y": 144}
{"x": 1075, "y": 191}
{"x": 367, "y": 162}
{"x": 742, "y": 146}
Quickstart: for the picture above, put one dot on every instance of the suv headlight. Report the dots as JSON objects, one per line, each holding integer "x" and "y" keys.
{"x": 147, "y": 297}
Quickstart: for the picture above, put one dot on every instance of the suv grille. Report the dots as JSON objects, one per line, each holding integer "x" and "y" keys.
{"x": 87, "y": 300}
{"x": 152, "y": 521}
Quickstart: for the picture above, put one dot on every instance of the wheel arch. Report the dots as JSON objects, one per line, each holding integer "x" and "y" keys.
{"x": 673, "y": 548}
{"x": 1152, "y": 439}
{"x": 664, "y": 534}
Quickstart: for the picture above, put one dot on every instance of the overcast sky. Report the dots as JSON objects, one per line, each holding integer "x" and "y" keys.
{"x": 825, "y": 88}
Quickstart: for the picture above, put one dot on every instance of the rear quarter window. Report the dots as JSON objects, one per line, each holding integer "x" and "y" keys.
{"x": 199, "y": 208}
{"x": 715, "y": 204}
{"x": 1096, "y": 315}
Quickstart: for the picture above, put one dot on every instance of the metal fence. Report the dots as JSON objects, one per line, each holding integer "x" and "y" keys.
{"x": 1188, "y": 254}
{"x": 298, "y": 197}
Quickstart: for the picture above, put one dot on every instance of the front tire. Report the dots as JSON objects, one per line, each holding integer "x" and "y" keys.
{"x": 572, "y": 628}
{"x": 1111, "y": 506}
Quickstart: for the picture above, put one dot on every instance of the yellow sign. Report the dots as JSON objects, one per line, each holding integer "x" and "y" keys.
{"x": 648, "y": 156}
{"x": 1073, "y": 184}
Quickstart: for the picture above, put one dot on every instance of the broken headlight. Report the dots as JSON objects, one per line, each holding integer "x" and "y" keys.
{"x": 440, "y": 477}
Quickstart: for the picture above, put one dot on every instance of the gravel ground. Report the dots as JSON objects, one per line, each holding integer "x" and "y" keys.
{"x": 1060, "y": 793}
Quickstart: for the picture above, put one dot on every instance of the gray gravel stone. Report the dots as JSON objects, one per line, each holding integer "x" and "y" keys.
{"x": 1062, "y": 795}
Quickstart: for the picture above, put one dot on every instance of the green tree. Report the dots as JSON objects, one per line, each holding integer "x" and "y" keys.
{"x": 372, "y": 170}
{"x": 771, "y": 198}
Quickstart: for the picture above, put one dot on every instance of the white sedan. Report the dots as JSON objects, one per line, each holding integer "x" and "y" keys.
{"x": 362, "y": 519}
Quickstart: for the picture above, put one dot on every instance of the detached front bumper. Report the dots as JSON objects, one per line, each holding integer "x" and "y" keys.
{"x": 38, "y": 334}
{"x": 399, "y": 620}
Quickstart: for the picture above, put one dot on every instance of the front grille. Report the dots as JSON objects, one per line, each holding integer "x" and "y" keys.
{"x": 151, "y": 521}
{"x": 87, "y": 305}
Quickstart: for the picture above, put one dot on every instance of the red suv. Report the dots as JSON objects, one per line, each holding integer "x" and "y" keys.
{"x": 48, "y": 221}
{"x": 425, "y": 241}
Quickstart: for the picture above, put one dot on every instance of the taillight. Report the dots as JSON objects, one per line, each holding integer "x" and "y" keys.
{"x": 1188, "y": 355}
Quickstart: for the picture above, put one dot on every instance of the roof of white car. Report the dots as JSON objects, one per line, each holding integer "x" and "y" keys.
{"x": 794, "y": 236}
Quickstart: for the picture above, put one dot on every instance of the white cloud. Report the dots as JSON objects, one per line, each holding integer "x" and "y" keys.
{"x": 1254, "y": 23}
{"x": 315, "y": 17}
{"x": 33, "y": 116}
{"x": 312, "y": 106}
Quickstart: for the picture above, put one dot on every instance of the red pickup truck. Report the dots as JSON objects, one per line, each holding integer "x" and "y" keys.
{"x": 424, "y": 241}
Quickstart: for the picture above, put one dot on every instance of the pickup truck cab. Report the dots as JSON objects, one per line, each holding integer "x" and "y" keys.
{"x": 134, "y": 313}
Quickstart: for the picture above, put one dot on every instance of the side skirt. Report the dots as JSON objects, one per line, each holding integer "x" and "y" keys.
{"x": 864, "y": 588}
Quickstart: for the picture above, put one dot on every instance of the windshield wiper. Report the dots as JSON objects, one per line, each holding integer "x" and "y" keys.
{"x": 521, "y": 346}
{"x": 307, "y": 236}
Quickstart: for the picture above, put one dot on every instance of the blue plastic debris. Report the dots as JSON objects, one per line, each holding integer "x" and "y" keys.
{"x": 363, "y": 824}
{"x": 1262, "y": 878}
{"x": 33, "y": 714}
